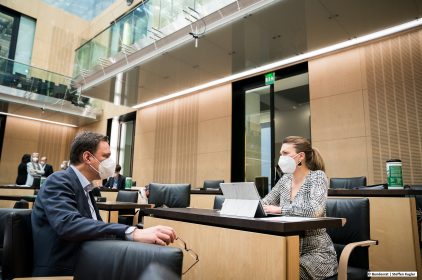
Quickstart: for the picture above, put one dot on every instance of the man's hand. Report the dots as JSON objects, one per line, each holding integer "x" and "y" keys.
{"x": 161, "y": 235}
{"x": 272, "y": 209}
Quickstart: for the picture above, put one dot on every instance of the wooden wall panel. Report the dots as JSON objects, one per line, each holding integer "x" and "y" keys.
{"x": 26, "y": 136}
{"x": 394, "y": 75}
{"x": 377, "y": 89}
{"x": 186, "y": 140}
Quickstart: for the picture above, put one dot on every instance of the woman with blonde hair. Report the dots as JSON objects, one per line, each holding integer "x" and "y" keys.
{"x": 302, "y": 191}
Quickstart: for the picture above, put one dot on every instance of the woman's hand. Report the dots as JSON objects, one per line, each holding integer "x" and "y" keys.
{"x": 272, "y": 209}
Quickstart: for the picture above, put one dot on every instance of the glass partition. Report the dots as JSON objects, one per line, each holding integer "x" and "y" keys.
{"x": 257, "y": 133}
{"x": 30, "y": 79}
{"x": 149, "y": 21}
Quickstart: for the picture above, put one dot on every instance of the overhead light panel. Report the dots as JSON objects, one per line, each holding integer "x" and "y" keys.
{"x": 35, "y": 119}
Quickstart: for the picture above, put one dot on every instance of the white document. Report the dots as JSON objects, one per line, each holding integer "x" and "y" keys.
{"x": 288, "y": 219}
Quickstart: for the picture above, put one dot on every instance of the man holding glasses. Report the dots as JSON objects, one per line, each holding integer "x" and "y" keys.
{"x": 65, "y": 213}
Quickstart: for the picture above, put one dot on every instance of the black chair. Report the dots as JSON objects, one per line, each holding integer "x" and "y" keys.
{"x": 212, "y": 184}
{"x": 347, "y": 183}
{"x": 126, "y": 216}
{"x": 218, "y": 202}
{"x": 169, "y": 195}
{"x": 17, "y": 244}
{"x": 21, "y": 204}
{"x": 352, "y": 240}
{"x": 119, "y": 259}
{"x": 156, "y": 271}
{"x": 4, "y": 213}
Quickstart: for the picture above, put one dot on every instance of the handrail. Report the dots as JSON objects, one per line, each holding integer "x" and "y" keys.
{"x": 134, "y": 25}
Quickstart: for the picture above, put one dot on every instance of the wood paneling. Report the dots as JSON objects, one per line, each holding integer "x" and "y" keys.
{"x": 186, "y": 140}
{"x": 397, "y": 233}
{"x": 338, "y": 117}
{"x": 25, "y": 137}
{"x": 394, "y": 76}
{"x": 370, "y": 94}
{"x": 235, "y": 254}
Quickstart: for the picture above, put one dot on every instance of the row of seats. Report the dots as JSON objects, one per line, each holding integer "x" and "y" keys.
{"x": 161, "y": 195}
{"x": 43, "y": 87}
{"x": 335, "y": 183}
{"x": 178, "y": 195}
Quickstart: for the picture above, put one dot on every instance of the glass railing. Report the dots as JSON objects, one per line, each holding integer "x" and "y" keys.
{"x": 29, "y": 79}
{"x": 150, "y": 21}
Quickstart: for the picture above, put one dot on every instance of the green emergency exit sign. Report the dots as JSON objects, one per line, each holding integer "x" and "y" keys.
{"x": 269, "y": 78}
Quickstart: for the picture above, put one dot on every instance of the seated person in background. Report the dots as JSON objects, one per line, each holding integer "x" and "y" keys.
{"x": 302, "y": 191}
{"x": 22, "y": 170}
{"x": 117, "y": 181}
{"x": 64, "y": 165}
{"x": 34, "y": 170}
{"x": 48, "y": 169}
{"x": 65, "y": 213}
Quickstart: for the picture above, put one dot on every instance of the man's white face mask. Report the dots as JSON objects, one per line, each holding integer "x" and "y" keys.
{"x": 106, "y": 168}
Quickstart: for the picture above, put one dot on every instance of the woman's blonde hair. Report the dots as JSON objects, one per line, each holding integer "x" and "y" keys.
{"x": 313, "y": 158}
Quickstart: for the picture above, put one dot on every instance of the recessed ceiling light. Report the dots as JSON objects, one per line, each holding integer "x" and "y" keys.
{"x": 35, "y": 119}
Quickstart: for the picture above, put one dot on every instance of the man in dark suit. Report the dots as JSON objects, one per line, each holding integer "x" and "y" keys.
{"x": 117, "y": 181}
{"x": 65, "y": 213}
{"x": 48, "y": 169}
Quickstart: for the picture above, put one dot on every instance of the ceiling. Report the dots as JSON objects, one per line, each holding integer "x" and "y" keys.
{"x": 272, "y": 32}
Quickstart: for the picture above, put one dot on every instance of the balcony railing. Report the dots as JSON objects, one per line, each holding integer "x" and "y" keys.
{"x": 31, "y": 82}
{"x": 147, "y": 23}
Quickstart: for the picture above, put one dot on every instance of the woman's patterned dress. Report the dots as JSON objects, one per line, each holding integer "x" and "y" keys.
{"x": 318, "y": 258}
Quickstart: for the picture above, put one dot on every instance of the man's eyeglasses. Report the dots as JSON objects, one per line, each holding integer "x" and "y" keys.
{"x": 190, "y": 252}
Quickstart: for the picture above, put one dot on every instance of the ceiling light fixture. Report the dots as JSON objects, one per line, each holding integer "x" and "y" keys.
{"x": 35, "y": 119}
{"x": 288, "y": 61}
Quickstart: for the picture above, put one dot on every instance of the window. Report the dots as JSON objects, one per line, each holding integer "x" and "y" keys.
{"x": 121, "y": 132}
{"x": 16, "y": 38}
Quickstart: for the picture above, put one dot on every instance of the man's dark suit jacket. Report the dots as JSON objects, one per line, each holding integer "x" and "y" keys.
{"x": 61, "y": 220}
{"x": 48, "y": 170}
{"x": 120, "y": 182}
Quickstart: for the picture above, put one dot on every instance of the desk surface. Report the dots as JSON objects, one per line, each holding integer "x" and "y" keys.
{"x": 342, "y": 192}
{"x": 261, "y": 225}
{"x": 14, "y": 186}
{"x": 30, "y": 198}
{"x": 209, "y": 191}
{"x": 374, "y": 193}
{"x": 119, "y": 205}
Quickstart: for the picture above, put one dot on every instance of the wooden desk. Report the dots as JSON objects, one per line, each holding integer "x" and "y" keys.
{"x": 112, "y": 207}
{"x": 10, "y": 194}
{"x": 110, "y": 194}
{"x": 235, "y": 247}
{"x": 29, "y": 198}
{"x": 203, "y": 199}
{"x": 393, "y": 223}
{"x": 374, "y": 193}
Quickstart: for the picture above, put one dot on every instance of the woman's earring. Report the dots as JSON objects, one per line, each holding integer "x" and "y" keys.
{"x": 299, "y": 163}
